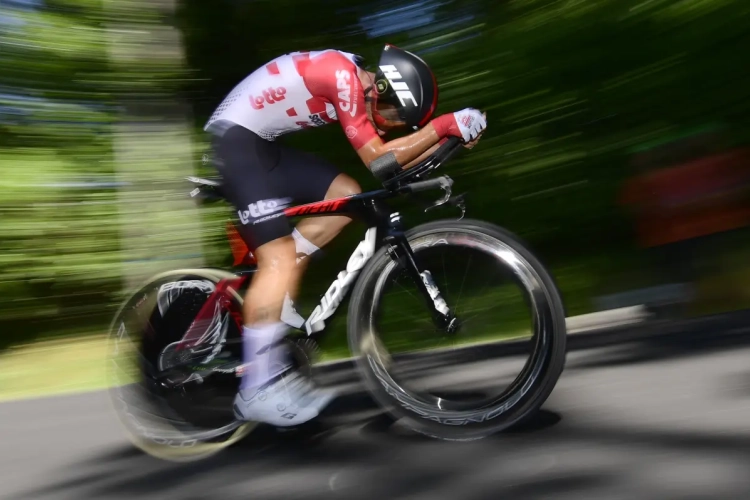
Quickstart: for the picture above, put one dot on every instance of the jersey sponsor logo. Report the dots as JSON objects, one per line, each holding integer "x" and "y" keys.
{"x": 270, "y": 95}
{"x": 402, "y": 89}
{"x": 317, "y": 120}
{"x": 351, "y": 132}
{"x": 263, "y": 210}
{"x": 343, "y": 79}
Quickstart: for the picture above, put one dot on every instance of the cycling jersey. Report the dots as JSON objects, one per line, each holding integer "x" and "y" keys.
{"x": 297, "y": 91}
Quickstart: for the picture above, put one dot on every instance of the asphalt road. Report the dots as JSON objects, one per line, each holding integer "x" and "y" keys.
{"x": 663, "y": 418}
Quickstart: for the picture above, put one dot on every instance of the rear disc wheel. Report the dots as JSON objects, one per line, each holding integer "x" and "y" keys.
{"x": 192, "y": 419}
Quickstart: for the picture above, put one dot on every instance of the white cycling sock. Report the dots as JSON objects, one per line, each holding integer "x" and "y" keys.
{"x": 262, "y": 367}
{"x": 303, "y": 245}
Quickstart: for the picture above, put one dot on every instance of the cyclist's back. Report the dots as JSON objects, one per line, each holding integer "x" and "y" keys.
{"x": 293, "y": 92}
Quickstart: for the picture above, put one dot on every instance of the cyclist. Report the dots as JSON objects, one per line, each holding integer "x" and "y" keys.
{"x": 261, "y": 177}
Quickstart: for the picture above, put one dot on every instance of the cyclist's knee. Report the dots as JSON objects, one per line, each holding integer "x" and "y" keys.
{"x": 343, "y": 185}
{"x": 278, "y": 255}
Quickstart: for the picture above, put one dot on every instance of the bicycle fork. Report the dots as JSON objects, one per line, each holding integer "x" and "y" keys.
{"x": 400, "y": 249}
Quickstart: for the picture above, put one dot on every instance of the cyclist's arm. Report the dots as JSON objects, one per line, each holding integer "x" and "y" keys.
{"x": 413, "y": 149}
{"x": 424, "y": 155}
{"x": 334, "y": 78}
{"x": 408, "y": 150}
{"x": 434, "y": 148}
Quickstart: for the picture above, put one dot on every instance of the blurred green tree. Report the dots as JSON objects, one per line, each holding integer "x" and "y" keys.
{"x": 568, "y": 87}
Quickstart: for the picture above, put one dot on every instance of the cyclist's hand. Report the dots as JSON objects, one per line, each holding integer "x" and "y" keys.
{"x": 471, "y": 144}
{"x": 468, "y": 124}
{"x": 471, "y": 123}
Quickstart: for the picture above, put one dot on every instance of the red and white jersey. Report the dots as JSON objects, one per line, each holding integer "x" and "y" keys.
{"x": 298, "y": 91}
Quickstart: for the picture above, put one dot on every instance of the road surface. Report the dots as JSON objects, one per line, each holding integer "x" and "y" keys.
{"x": 660, "y": 418}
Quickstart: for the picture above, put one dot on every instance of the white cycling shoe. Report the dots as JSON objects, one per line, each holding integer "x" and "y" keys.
{"x": 287, "y": 400}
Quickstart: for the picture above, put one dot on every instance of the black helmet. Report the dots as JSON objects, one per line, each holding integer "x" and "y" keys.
{"x": 406, "y": 91}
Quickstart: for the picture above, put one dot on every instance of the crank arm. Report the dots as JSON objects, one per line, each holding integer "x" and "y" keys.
{"x": 176, "y": 378}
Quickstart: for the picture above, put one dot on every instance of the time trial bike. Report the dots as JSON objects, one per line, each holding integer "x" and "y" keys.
{"x": 175, "y": 352}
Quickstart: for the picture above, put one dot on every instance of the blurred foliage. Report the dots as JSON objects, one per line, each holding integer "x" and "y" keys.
{"x": 569, "y": 87}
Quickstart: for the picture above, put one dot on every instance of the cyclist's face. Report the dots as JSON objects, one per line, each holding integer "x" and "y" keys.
{"x": 382, "y": 116}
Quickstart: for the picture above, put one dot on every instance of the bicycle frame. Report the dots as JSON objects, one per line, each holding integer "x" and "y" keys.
{"x": 384, "y": 227}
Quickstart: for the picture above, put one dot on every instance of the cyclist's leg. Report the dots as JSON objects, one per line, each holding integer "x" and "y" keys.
{"x": 245, "y": 161}
{"x": 248, "y": 165}
{"x": 314, "y": 179}
{"x": 321, "y": 230}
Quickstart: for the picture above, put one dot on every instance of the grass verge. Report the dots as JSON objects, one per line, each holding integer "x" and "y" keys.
{"x": 77, "y": 364}
{"x": 64, "y": 366}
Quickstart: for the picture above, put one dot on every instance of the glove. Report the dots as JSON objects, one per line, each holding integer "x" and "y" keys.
{"x": 467, "y": 124}
{"x": 470, "y": 122}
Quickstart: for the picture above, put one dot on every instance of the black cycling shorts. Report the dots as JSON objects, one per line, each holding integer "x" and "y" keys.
{"x": 261, "y": 178}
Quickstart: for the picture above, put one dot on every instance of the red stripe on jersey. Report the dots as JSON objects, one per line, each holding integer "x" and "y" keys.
{"x": 327, "y": 118}
{"x": 273, "y": 68}
{"x": 301, "y": 62}
{"x": 317, "y": 106}
{"x": 291, "y": 112}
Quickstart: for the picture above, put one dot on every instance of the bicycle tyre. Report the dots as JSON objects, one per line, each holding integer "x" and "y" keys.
{"x": 530, "y": 393}
{"x": 177, "y": 447}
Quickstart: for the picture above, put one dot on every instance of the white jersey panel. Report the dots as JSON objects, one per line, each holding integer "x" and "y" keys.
{"x": 271, "y": 101}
